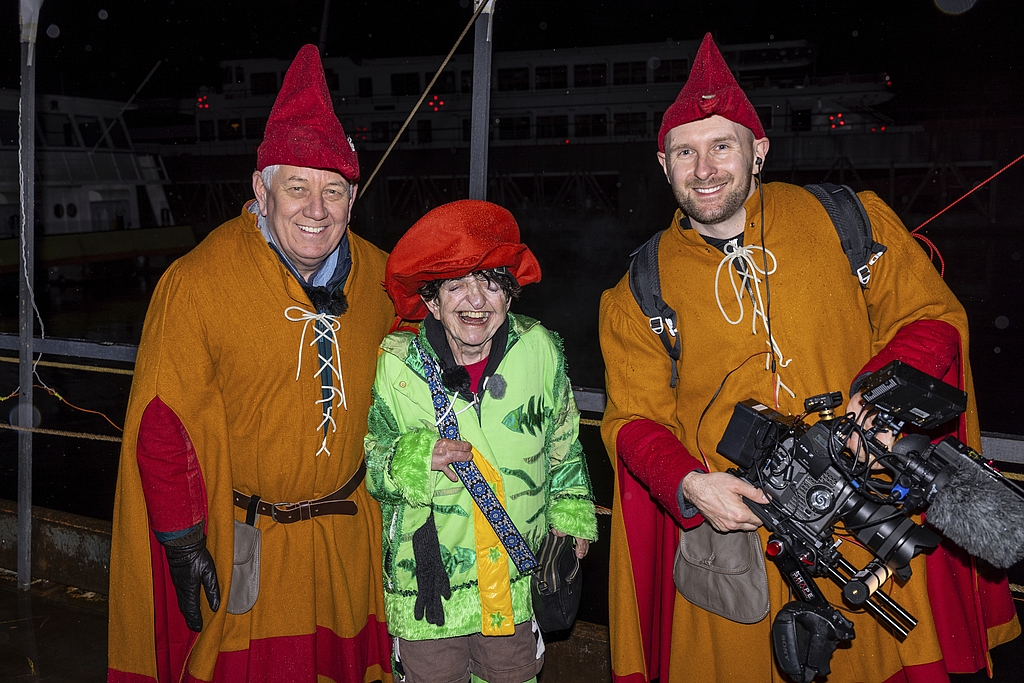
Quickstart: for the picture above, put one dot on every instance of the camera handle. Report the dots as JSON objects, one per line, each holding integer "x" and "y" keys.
{"x": 799, "y": 563}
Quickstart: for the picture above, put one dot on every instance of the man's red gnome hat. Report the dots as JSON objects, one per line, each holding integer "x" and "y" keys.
{"x": 303, "y": 129}
{"x": 710, "y": 89}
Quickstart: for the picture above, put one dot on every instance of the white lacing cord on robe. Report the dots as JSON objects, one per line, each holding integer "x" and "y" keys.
{"x": 325, "y": 326}
{"x": 749, "y": 281}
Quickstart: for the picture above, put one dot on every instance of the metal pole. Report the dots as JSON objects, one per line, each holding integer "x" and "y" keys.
{"x": 323, "y": 28}
{"x": 481, "y": 112}
{"x": 28, "y": 206}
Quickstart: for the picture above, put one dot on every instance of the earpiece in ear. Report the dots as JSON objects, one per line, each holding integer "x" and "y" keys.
{"x": 759, "y": 161}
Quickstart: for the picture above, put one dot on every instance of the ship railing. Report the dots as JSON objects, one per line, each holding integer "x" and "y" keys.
{"x": 996, "y": 445}
{"x": 1004, "y": 448}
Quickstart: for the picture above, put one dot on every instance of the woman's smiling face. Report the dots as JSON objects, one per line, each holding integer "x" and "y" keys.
{"x": 471, "y": 309}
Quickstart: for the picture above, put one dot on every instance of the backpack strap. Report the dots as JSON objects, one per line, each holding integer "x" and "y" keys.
{"x": 853, "y": 226}
{"x": 645, "y": 283}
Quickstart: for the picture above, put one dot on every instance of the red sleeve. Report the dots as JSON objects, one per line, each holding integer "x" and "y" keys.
{"x": 171, "y": 478}
{"x": 931, "y": 346}
{"x": 656, "y": 458}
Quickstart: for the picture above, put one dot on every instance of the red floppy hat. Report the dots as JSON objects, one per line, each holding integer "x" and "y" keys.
{"x": 303, "y": 129}
{"x": 710, "y": 89}
{"x": 451, "y": 242}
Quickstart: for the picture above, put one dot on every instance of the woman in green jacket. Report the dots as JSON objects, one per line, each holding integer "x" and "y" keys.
{"x": 494, "y": 384}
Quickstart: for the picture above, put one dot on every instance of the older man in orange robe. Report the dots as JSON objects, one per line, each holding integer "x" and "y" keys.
{"x": 245, "y": 546}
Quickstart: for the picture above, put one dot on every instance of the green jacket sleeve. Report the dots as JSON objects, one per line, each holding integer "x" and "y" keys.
{"x": 397, "y": 459}
{"x": 570, "y": 495}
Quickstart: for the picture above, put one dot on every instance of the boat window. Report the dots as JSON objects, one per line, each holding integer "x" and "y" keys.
{"x": 56, "y": 130}
{"x": 405, "y": 84}
{"x": 331, "y": 76}
{"x": 232, "y": 75}
{"x": 263, "y": 83}
{"x": 466, "y": 78}
{"x": 206, "y": 131}
{"x": 591, "y": 125}
{"x": 58, "y": 211}
{"x": 72, "y": 210}
{"x": 366, "y": 87}
{"x": 551, "y": 77}
{"x": 800, "y": 120}
{"x": 552, "y": 127}
{"x": 672, "y": 71}
{"x": 764, "y": 113}
{"x": 116, "y": 133}
{"x": 92, "y": 133}
{"x": 514, "y": 128}
{"x": 424, "y": 131}
{"x": 385, "y": 131}
{"x": 255, "y": 127}
{"x": 629, "y": 73}
{"x": 229, "y": 129}
{"x": 514, "y": 79}
{"x": 8, "y": 127}
{"x": 445, "y": 82}
{"x": 634, "y": 123}
{"x": 589, "y": 75}
{"x": 379, "y": 131}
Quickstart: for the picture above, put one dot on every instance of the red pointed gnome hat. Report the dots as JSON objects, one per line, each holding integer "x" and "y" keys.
{"x": 710, "y": 89}
{"x": 453, "y": 241}
{"x": 303, "y": 129}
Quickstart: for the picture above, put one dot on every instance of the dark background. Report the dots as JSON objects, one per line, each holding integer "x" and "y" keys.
{"x": 941, "y": 64}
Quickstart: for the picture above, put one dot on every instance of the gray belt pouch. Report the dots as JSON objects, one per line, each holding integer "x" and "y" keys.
{"x": 245, "y": 570}
{"x": 723, "y": 573}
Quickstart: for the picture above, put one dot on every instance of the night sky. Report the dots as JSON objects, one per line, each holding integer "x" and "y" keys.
{"x": 941, "y": 64}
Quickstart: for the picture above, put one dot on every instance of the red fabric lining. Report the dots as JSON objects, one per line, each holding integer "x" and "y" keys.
{"x": 652, "y": 538}
{"x": 171, "y": 477}
{"x": 931, "y": 346}
{"x": 303, "y": 658}
{"x": 655, "y": 457}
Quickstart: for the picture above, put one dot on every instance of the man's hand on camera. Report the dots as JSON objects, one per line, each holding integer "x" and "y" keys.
{"x": 856, "y": 407}
{"x": 719, "y": 496}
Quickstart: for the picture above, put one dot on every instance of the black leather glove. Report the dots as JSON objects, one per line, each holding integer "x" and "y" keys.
{"x": 191, "y": 566}
{"x": 431, "y": 578}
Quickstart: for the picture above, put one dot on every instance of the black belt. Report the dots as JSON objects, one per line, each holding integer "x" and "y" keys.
{"x": 286, "y": 513}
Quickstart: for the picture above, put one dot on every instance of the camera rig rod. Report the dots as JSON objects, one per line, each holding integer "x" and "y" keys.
{"x": 799, "y": 563}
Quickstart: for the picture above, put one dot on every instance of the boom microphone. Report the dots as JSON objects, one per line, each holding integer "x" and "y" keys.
{"x": 980, "y": 514}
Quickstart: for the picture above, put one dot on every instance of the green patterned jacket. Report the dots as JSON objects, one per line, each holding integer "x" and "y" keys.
{"x": 529, "y": 436}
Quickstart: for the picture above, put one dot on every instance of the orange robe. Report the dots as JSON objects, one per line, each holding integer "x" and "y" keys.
{"x": 830, "y": 329}
{"x": 219, "y": 352}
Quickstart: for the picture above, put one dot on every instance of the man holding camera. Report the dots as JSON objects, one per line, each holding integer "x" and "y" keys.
{"x": 767, "y": 308}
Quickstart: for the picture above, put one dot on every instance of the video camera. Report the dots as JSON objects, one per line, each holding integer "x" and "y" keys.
{"x": 814, "y": 483}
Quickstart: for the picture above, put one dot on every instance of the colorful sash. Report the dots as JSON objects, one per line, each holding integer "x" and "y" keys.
{"x": 469, "y": 473}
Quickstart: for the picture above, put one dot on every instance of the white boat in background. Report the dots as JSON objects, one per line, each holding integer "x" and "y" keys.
{"x": 96, "y": 197}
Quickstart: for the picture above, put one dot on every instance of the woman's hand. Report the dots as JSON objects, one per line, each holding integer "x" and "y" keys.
{"x": 582, "y": 544}
{"x": 447, "y": 451}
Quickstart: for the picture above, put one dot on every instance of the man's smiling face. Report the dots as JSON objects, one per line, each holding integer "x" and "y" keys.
{"x": 307, "y": 211}
{"x": 710, "y": 164}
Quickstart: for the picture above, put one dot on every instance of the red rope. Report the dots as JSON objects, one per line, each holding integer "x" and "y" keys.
{"x": 933, "y": 250}
{"x": 968, "y": 193}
